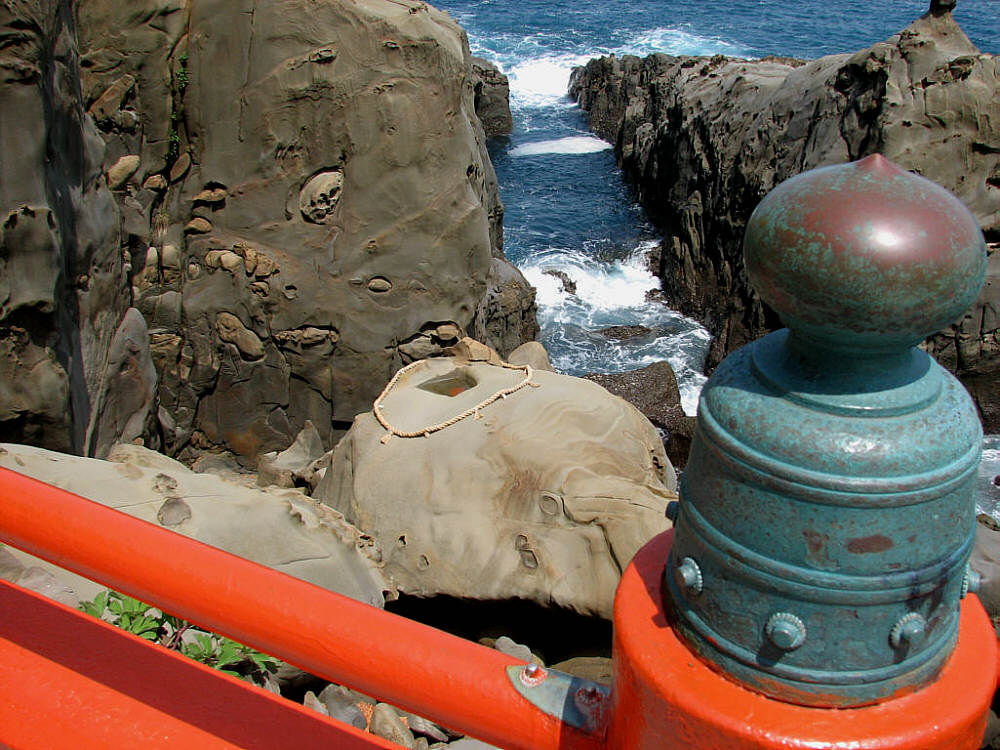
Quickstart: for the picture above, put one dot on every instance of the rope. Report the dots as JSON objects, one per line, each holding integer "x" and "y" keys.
{"x": 472, "y": 410}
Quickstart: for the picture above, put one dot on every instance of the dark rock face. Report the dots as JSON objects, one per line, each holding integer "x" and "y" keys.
{"x": 653, "y": 391}
{"x": 624, "y": 333}
{"x": 287, "y": 192}
{"x": 704, "y": 139}
{"x": 64, "y": 336}
{"x": 492, "y": 98}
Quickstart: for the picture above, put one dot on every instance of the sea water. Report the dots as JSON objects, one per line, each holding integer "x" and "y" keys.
{"x": 567, "y": 208}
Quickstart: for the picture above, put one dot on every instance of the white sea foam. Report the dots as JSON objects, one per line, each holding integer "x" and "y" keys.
{"x": 986, "y": 492}
{"x": 600, "y": 287}
{"x": 543, "y": 81}
{"x": 674, "y": 41}
{"x": 613, "y": 293}
{"x": 575, "y": 144}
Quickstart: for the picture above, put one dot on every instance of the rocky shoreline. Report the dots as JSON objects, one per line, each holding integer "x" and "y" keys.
{"x": 252, "y": 272}
{"x": 704, "y": 139}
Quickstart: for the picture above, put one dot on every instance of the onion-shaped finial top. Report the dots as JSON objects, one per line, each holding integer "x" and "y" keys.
{"x": 864, "y": 255}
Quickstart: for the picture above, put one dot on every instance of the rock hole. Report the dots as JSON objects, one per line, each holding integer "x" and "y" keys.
{"x": 555, "y": 633}
{"x": 401, "y": 541}
{"x": 451, "y": 383}
{"x": 319, "y": 196}
{"x": 550, "y": 503}
{"x": 528, "y": 559}
{"x": 174, "y": 511}
{"x": 423, "y": 563}
{"x": 164, "y": 483}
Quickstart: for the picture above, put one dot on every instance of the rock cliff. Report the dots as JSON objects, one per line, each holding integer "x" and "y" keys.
{"x": 492, "y": 98}
{"x": 704, "y": 139}
{"x": 67, "y": 344}
{"x": 295, "y": 195}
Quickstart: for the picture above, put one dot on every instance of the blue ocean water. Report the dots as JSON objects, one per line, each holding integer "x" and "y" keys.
{"x": 567, "y": 209}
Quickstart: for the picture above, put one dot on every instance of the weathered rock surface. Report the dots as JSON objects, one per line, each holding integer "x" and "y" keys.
{"x": 545, "y": 497}
{"x": 64, "y": 288}
{"x": 299, "y": 189}
{"x": 492, "y": 91}
{"x": 653, "y": 391}
{"x": 704, "y": 139}
{"x": 282, "y": 529}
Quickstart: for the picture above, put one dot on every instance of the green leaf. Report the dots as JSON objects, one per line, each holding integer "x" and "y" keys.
{"x": 96, "y": 607}
{"x": 229, "y": 653}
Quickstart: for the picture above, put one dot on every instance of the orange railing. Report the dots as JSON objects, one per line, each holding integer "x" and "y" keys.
{"x": 459, "y": 684}
{"x": 68, "y": 680}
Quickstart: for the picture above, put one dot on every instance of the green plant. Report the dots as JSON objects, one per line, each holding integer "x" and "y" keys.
{"x": 182, "y": 73}
{"x": 216, "y": 651}
{"x": 174, "y": 140}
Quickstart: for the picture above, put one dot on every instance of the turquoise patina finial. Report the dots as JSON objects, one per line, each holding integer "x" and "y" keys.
{"x": 826, "y": 513}
{"x": 864, "y": 255}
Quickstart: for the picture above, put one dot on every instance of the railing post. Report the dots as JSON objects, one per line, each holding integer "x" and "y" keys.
{"x": 820, "y": 550}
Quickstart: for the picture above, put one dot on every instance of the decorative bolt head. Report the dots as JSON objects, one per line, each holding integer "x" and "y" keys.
{"x": 970, "y": 582}
{"x": 908, "y": 631}
{"x": 688, "y": 576}
{"x": 533, "y": 675}
{"x": 785, "y": 631}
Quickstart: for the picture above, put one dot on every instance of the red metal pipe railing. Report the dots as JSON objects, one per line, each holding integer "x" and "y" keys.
{"x": 458, "y": 683}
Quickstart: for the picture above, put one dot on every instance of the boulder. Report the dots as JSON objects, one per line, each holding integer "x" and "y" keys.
{"x": 531, "y": 353}
{"x": 294, "y": 465}
{"x": 492, "y": 97}
{"x": 653, "y": 391}
{"x": 127, "y": 394}
{"x": 543, "y": 494}
{"x": 387, "y": 724}
{"x": 282, "y": 529}
{"x": 704, "y": 139}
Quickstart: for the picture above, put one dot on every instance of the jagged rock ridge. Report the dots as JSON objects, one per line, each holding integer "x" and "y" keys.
{"x": 704, "y": 139}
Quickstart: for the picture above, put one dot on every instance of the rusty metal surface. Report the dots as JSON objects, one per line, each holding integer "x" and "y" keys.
{"x": 827, "y": 499}
{"x": 865, "y": 252}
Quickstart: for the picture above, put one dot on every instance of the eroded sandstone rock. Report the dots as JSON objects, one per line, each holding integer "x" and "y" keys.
{"x": 64, "y": 285}
{"x": 346, "y": 189}
{"x": 492, "y": 98}
{"x": 282, "y": 529}
{"x": 546, "y": 496}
